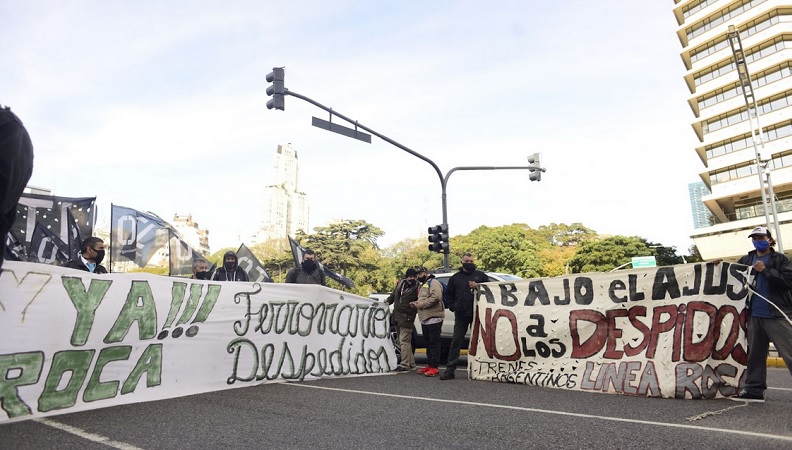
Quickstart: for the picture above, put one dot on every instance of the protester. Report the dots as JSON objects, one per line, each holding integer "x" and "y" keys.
{"x": 772, "y": 284}
{"x": 406, "y": 292}
{"x": 309, "y": 271}
{"x": 16, "y": 167}
{"x": 200, "y": 268}
{"x": 431, "y": 314}
{"x": 459, "y": 298}
{"x": 91, "y": 256}
{"x": 230, "y": 270}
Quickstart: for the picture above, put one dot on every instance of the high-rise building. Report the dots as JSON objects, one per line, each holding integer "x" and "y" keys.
{"x": 722, "y": 121}
{"x": 702, "y": 217}
{"x": 286, "y": 208}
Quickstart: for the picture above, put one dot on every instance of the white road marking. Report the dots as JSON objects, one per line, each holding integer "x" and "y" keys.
{"x": 558, "y": 413}
{"x": 86, "y": 435}
{"x": 780, "y": 389}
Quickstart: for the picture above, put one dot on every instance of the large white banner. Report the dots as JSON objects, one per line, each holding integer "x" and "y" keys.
{"x": 675, "y": 332}
{"x": 71, "y": 340}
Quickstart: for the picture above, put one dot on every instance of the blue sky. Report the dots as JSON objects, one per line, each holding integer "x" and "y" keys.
{"x": 160, "y": 106}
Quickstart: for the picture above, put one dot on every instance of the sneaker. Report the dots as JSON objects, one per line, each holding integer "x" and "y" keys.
{"x": 745, "y": 396}
{"x": 432, "y": 372}
{"x": 401, "y": 369}
{"x": 447, "y": 375}
{"x": 423, "y": 369}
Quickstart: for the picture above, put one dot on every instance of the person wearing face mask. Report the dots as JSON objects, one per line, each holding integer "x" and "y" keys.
{"x": 459, "y": 298}
{"x": 91, "y": 257}
{"x": 309, "y": 271}
{"x": 404, "y": 315}
{"x": 200, "y": 268}
{"x": 431, "y": 315}
{"x": 230, "y": 270}
{"x": 773, "y": 281}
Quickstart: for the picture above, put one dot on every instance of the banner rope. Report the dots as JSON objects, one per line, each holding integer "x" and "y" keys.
{"x": 715, "y": 413}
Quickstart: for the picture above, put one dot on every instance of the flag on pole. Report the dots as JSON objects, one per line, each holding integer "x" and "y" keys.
{"x": 46, "y": 247}
{"x": 180, "y": 255}
{"x": 52, "y": 213}
{"x": 137, "y": 236}
{"x": 250, "y": 264}
{"x": 298, "y": 252}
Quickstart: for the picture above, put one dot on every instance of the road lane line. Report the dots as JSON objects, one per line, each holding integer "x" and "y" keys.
{"x": 558, "y": 413}
{"x": 780, "y": 389}
{"x": 87, "y": 435}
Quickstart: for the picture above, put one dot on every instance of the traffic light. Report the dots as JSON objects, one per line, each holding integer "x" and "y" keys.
{"x": 536, "y": 174}
{"x": 277, "y": 89}
{"x": 438, "y": 238}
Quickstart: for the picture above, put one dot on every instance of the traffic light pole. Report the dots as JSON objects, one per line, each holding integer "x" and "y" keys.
{"x": 443, "y": 179}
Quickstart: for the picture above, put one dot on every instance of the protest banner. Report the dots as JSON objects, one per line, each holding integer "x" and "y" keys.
{"x": 73, "y": 340}
{"x": 675, "y": 332}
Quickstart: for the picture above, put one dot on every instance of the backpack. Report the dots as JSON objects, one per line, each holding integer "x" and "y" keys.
{"x": 443, "y": 298}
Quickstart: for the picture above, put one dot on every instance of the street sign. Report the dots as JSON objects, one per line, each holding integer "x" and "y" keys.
{"x": 644, "y": 261}
{"x": 335, "y": 128}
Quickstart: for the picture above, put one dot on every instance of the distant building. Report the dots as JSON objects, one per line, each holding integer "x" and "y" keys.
{"x": 191, "y": 233}
{"x": 702, "y": 217}
{"x": 721, "y": 120}
{"x": 286, "y": 208}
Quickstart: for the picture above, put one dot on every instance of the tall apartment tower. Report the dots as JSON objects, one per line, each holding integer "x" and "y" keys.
{"x": 286, "y": 208}
{"x": 701, "y": 215}
{"x": 722, "y": 122}
{"x": 192, "y": 234}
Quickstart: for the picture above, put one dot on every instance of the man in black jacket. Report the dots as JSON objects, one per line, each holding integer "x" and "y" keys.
{"x": 16, "y": 167}
{"x": 766, "y": 323}
{"x": 459, "y": 298}
{"x": 309, "y": 271}
{"x": 230, "y": 270}
{"x": 91, "y": 257}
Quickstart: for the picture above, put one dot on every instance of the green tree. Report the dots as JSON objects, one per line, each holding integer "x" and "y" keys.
{"x": 563, "y": 235}
{"x": 507, "y": 248}
{"x": 606, "y": 254}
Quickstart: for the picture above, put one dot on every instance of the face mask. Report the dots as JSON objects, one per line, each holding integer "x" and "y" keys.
{"x": 409, "y": 282}
{"x": 202, "y": 275}
{"x": 99, "y": 256}
{"x": 230, "y": 265}
{"x": 422, "y": 279}
{"x": 761, "y": 246}
{"x": 469, "y": 267}
{"x": 309, "y": 265}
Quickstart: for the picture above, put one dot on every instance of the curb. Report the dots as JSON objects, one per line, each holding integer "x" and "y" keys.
{"x": 775, "y": 361}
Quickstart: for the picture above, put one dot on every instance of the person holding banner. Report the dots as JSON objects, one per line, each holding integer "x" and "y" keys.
{"x": 91, "y": 256}
{"x": 230, "y": 270}
{"x": 16, "y": 167}
{"x": 770, "y": 308}
{"x": 431, "y": 314}
{"x": 459, "y": 298}
{"x": 406, "y": 292}
{"x": 309, "y": 271}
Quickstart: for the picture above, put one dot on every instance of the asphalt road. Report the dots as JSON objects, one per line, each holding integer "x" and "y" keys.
{"x": 413, "y": 411}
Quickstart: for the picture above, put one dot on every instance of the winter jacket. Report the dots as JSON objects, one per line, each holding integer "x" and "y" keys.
{"x": 400, "y": 298}
{"x": 430, "y": 300}
{"x": 238, "y": 275}
{"x": 779, "y": 277}
{"x": 300, "y": 276}
{"x": 458, "y": 296}
{"x": 79, "y": 265}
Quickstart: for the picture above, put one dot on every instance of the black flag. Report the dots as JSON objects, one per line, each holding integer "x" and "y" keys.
{"x": 298, "y": 252}
{"x": 250, "y": 264}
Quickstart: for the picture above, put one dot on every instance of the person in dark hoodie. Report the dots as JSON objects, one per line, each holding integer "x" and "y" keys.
{"x": 16, "y": 167}
{"x": 230, "y": 270}
{"x": 309, "y": 271}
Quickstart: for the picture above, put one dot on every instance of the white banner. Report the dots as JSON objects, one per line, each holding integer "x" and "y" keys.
{"x": 676, "y": 332}
{"x": 72, "y": 340}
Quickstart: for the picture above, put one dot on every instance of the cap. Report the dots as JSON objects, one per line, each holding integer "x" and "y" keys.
{"x": 421, "y": 269}
{"x": 760, "y": 231}
{"x": 410, "y": 273}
